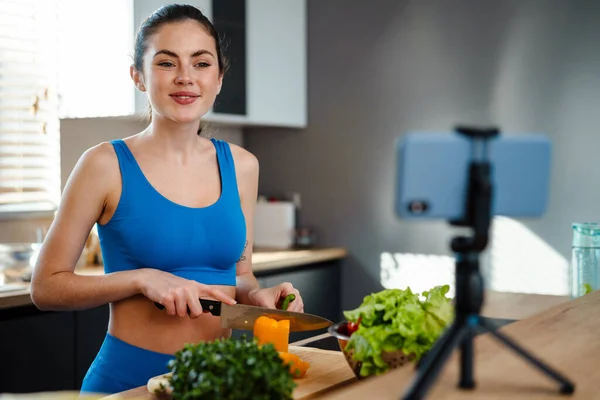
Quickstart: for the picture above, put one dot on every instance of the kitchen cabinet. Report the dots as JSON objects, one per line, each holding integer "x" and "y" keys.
{"x": 270, "y": 70}
{"x": 36, "y": 350}
{"x": 266, "y": 84}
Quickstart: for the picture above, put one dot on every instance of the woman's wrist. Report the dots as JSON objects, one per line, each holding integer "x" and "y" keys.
{"x": 251, "y": 294}
{"x": 139, "y": 280}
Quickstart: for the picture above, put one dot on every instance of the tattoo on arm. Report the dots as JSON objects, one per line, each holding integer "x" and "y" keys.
{"x": 243, "y": 257}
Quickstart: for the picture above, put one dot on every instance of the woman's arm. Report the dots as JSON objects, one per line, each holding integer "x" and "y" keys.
{"x": 248, "y": 290}
{"x": 54, "y": 285}
{"x": 247, "y": 177}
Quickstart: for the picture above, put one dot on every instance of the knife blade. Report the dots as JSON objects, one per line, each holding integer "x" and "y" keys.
{"x": 242, "y": 316}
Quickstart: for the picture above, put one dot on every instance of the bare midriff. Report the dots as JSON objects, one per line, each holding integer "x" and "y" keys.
{"x": 139, "y": 322}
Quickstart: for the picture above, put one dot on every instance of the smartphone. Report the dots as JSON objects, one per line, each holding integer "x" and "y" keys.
{"x": 433, "y": 174}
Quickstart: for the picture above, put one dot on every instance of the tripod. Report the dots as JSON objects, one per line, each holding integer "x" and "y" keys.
{"x": 469, "y": 284}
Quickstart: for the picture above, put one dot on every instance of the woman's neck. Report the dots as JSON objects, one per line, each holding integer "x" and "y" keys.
{"x": 174, "y": 139}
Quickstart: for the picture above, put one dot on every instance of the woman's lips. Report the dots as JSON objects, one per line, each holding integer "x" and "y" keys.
{"x": 184, "y": 97}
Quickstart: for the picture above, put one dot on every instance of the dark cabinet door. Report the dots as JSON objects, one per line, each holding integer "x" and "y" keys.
{"x": 91, "y": 326}
{"x": 36, "y": 350}
{"x": 229, "y": 19}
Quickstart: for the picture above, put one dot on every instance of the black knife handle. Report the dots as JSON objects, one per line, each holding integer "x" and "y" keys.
{"x": 211, "y": 306}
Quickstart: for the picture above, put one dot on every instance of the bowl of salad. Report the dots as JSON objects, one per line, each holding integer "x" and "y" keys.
{"x": 392, "y": 328}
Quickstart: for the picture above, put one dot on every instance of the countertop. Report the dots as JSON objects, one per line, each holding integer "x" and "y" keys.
{"x": 530, "y": 309}
{"x": 564, "y": 336}
{"x": 262, "y": 260}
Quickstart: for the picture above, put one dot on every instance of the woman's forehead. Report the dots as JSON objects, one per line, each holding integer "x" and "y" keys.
{"x": 187, "y": 37}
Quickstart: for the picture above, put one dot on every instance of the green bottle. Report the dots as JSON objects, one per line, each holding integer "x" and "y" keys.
{"x": 585, "y": 259}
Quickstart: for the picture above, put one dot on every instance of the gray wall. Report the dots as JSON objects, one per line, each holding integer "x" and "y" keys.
{"x": 378, "y": 69}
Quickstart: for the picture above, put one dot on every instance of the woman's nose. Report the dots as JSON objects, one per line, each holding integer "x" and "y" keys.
{"x": 183, "y": 78}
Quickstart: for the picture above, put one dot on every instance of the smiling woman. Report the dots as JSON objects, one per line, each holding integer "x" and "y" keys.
{"x": 174, "y": 212}
{"x": 198, "y": 55}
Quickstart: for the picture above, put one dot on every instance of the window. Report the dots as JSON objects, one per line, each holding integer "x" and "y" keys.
{"x": 29, "y": 123}
{"x": 96, "y": 50}
{"x": 58, "y": 59}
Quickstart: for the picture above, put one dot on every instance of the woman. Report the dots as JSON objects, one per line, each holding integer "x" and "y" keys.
{"x": 174, "y": 213}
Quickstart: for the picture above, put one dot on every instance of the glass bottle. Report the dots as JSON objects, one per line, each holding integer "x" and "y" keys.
{"x": 585, "y": 259}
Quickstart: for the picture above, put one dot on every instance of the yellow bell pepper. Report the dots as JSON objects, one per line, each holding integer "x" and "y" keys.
{"x": 297, "y": 366}
{"x": 267, "y": 330}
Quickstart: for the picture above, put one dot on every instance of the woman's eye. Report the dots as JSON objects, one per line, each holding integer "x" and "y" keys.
{"x": 203, "y": 64}
{"x": 166, "y": 64}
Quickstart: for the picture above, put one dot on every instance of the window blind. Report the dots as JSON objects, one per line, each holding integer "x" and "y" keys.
{"x": 29, "y": 122}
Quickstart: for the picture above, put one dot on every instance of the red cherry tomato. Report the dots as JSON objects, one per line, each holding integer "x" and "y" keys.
{"x": 352, "y": 327}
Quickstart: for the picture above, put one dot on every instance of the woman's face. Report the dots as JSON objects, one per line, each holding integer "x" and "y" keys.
{"x": 181, "y": 71}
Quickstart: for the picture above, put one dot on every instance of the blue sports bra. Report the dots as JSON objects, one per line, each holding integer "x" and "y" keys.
{"x": 148, "y": 230}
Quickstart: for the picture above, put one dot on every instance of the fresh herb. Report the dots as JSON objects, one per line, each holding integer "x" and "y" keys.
{"x": 230, "y": 369}
{"x": 587, "y": 288}
{"x": 395, "y": 319}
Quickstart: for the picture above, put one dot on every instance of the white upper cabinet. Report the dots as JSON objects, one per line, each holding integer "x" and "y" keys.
{"x": 266, "y": 46}
{"x": 270, "y": 87}
{"x": 276, "y": 69}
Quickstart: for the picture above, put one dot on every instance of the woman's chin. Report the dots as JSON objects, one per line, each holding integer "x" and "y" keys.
{"x": 185, "y": 118}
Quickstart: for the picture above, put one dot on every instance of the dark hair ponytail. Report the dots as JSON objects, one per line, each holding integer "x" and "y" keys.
{"x": 174, "y": 13}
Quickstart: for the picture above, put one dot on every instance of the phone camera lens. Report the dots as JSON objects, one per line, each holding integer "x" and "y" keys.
{"x": 417, "y": 206}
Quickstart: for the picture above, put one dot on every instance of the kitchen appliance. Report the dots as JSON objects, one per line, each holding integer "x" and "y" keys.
{"x": 274, "y": 224}
{"x": 17, "y": 261}
{"x": 242, "y": 316}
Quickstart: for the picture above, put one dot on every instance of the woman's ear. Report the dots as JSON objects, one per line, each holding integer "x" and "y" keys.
{"x": 137, "y": 78}
{"x": 219, "y": 84}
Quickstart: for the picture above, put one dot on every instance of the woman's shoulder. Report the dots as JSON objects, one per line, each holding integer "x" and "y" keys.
{"x": 99, "y": 155}
{"x": 104, "y": 153}
{"x": 245, "y": 161}
{"x": 99, "y": 161}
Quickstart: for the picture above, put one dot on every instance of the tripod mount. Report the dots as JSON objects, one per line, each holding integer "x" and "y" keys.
{"x": 469, "y": 290}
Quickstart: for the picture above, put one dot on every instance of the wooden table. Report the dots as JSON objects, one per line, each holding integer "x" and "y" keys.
{"x": 518, "y": 305}
{"x": 515, "y": 306}
{"x": 566, "y": 336}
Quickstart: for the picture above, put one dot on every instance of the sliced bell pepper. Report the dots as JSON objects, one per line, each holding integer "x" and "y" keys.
{"x": 298, "y": 367}
{"x": 267, "y": 330}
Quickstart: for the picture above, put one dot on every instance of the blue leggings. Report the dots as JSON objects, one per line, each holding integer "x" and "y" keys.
{"x": 120, "y": 366}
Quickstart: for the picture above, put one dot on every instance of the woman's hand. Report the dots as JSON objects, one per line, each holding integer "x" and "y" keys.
{"x": 177, "y": 294}
{"x": 269, "y": 297}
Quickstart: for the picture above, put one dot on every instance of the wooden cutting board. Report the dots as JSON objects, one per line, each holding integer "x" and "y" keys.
{"x": 328, "y": 370}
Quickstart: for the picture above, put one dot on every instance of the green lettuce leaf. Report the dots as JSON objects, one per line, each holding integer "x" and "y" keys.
{"x": 396, "y": 319}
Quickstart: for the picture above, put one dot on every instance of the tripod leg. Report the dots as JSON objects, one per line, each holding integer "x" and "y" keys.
{"x": 436, "y": 348}
{"x": 431, "y": 367}
{"x": 466, "y": 361}
{"x": 567, "y": 387}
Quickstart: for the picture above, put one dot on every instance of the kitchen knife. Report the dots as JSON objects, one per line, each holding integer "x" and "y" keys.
{"x": 242, "y": 316}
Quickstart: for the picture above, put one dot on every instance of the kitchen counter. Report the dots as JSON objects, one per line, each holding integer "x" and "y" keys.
{"x": 262, "y": 260}
{"x": 534, "y": 312}
{"x": 564, "y": 336}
